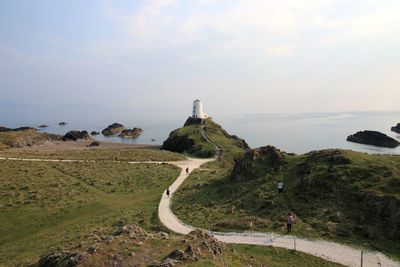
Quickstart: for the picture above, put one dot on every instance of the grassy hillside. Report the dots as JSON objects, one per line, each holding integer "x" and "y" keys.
{"x": 46, "y": 205}
{"x": 189, "y": 140}
{"x": 338, "y": 195}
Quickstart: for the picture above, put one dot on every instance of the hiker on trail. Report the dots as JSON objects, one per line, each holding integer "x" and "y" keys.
{"x": 187, "y": 170}
{"x": 290, "y": 221}
{"x": 167, "y": 192}
{"x": 280, "y": 187}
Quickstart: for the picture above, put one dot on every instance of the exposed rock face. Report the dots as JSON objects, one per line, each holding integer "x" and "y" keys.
{"x": 373, "y": 138}
{"x": 113, "y": 129}
{"x": 63, "y": 123}
{"x": 94, "y": 133}
{"x": 396, "y": 128}
{"x": 267, "y": 156}
{"x": 75, "y": 136}
{"x": 60, "y": 259}
{"x": 192, "y": 121}
{"x": 134, "y": 133}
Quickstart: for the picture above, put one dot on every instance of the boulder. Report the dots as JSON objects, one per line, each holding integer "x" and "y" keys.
{"x": 94, "y": 133}
{"x": 113, "y": 129}
{"x": 43, "y": 126}
{"x": 373, "y": 138}
{"x": 62, "y": 123}
{"x": 396, "y": 128}
{"x": 75, "y": 136}
{"x": 94, "y": 143}
{"x": 128, "y": 133}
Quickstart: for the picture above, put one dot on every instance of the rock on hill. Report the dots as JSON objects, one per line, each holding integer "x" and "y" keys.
{"x": 373, "y": 138}
{"x": 23, "y": 137}
{"x": 189, "y": 139}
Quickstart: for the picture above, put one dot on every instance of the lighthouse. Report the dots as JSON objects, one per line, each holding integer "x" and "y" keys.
{"x": 198, "y": 110}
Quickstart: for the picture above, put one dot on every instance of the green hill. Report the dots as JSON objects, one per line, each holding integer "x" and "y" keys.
{"x": 335, "y": 194}
{"x": 189, "y": 140}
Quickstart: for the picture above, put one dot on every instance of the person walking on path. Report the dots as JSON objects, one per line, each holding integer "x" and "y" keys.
{"x": 290, "y": 221}
{"x": 280, "y": 187}
{"x": 187, "y": 170}
{"x": 167, "y": 192}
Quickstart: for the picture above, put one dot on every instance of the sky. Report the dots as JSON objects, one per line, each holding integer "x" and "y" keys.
{"x": 238, "y": 56}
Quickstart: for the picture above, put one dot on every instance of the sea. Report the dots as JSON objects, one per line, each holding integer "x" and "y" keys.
{"x": 296, "y": 132}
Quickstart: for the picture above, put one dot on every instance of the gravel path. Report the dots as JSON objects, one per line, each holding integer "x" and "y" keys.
{"x": 331, "y": 251}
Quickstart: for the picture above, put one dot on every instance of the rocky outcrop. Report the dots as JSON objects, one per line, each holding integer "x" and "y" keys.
{"x": 268, "y": 156}
{"x": 134, "y": 133}
{"x": 396, "y": 128}
{"x": 177, "y": 143}
{"x": 94, "y": 133}
{"x": 113, "y": 129}
{"x": 43, "y": 126}
{"x": 94, "y": 143}
{"x": 373, "y": 138}
{"x": 60, "y": 259}
{"x": 75, "y": 136}
{"x": 62, "y": 123}
{"x": 192, "y": 121}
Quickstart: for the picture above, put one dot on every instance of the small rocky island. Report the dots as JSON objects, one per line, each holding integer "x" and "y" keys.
{"x": 373, "y": 138}
{"x": 121, "y": 131}
{"x": 113, "y": 129}
{"x": 396, "y": 128}
{"x": 134, "y": 133}
{"x": 76, "y": 135}
{"x": 62, "y": 123}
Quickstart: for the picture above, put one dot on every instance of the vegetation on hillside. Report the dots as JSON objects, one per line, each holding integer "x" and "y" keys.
{"x": 338, "y": 195}
{"x": 189, "y": 140}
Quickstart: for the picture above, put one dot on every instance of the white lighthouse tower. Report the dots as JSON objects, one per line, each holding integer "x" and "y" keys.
{"x": 198, "y": 110}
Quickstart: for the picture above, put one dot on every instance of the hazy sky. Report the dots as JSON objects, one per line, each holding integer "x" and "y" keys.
{"x": 236, "y": 55}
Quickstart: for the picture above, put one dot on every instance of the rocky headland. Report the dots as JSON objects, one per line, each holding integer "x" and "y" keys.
{"x": 373, "y": 138}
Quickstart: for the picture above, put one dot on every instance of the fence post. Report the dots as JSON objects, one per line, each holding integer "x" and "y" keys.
{"x": 362, "y": 258}
{"x": 294, "y": 243}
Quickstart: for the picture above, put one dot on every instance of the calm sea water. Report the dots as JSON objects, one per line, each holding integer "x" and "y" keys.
{"x": 298, "y": 133}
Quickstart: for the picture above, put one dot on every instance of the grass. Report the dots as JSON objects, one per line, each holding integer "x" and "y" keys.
{"x": 49, "y": 205}
{"x": 327, "y": 204}
{"x": 102, "y": 154}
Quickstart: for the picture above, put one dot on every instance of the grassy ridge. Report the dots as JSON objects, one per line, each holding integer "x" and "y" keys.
{"x": 45, "y": 205}
{"x": 106, "y": 154}
{"x": 351, "y": 203}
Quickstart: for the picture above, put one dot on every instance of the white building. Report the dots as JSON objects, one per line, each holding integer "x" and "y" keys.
{"x": 198, "y": 110}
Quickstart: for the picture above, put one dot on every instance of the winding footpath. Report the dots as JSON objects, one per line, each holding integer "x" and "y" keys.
{"x": 330, "y": 251}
